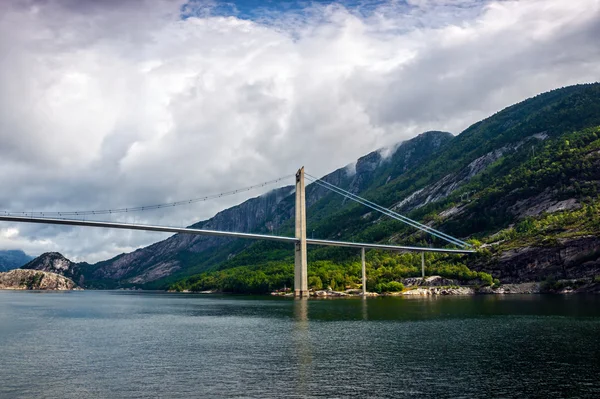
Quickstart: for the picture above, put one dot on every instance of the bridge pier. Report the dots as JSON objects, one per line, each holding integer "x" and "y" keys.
{"x": 364, "y": 272}
{"x": 300, "y": 262}
{"x": 423, "y": 264}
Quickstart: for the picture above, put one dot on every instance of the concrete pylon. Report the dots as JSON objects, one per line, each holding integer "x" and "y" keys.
{"x": 364, "y": 272}
{"x": 300, "y": 263}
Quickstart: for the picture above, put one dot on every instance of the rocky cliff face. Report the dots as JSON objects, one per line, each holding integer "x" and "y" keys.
{"x": 171, "y": 255}
{"x": 570, "y": 259}
{"x": 453, "y": 181}
{"x": 21, "y": 279}
{"x": 54, "y": 262}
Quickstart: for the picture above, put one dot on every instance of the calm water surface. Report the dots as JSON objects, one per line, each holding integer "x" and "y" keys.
{"x": 146, "y": 345}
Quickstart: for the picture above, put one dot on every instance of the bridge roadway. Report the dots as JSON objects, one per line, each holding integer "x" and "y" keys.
{"x": 186, "y": 230}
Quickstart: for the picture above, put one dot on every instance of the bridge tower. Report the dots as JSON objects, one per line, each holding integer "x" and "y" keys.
{"x": 300, "y": 264}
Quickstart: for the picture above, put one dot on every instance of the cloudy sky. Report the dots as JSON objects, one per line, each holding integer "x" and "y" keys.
{"x": 116, "y": 103}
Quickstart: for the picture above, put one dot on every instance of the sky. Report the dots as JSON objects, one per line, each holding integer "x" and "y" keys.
{"x": 118, "y": 103}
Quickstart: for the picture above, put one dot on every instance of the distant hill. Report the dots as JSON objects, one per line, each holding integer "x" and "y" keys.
{"x": 522, "y": 185}
{"x": 13, "y": 259}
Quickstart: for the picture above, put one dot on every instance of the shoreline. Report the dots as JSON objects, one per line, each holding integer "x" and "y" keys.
{"x": 410, "y": 287}
{"x": 438, "y": 286}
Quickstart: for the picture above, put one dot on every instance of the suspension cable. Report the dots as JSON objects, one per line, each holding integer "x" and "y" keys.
{"x": 148, "y": 207}
{"x": 387, "y": 212}
{"x": 392, "y": 213}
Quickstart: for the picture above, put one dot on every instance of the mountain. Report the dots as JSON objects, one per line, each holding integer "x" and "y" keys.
{"x": 13, "y": 259}
{"x": 522, "y": 185}
{"x": 53, "y": 262}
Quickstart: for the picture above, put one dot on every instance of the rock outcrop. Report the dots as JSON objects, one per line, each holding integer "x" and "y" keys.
{"x": 21, "y": 279}
{"x": 567, "y": 259}
{"x": 440, "y": 291}
{"x": 430, "y": 281}
{"x": 54, "y": 262}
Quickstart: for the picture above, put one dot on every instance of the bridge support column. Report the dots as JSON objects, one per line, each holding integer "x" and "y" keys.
{"x": 300, "y": 262}
{"x": 364, "y": 272}
{"x": 423, "y": 264}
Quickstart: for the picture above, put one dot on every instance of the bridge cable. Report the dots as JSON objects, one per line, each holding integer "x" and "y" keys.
{"x": 387, "y": 211}
{"x": 392, "y": 215}
{"x": 148, "y": 207}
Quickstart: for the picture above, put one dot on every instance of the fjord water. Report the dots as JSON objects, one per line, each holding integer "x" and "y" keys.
{"x": 141, "y": 344}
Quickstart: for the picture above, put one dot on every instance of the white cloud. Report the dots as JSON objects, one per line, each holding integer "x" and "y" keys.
{"x": 9, "y": 232}
{"x": 112, "y": 104}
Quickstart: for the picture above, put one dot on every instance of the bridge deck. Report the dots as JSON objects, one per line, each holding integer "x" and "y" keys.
{"x": 186, "y": 230}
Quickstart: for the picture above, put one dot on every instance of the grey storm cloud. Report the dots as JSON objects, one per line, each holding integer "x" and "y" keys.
{"x": 108, "y": 104}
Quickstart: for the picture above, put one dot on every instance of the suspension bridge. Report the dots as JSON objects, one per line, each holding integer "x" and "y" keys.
{"x": 300, "y": 241}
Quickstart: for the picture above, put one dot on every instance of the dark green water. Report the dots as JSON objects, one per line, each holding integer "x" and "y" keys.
{"x": 147, "y": 345}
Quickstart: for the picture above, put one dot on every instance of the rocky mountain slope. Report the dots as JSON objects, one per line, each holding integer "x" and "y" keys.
{"x": 20, "y": 279}
{"x": 13, "y": 259}
{"x": 536, "y": 158}
{"x": 53, "y": 262}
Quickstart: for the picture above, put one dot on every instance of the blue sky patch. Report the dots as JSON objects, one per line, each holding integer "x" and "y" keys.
{"x": 261, "y": 10}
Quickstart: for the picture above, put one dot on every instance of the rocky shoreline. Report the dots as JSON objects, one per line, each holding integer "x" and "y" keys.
{"x": 439, "y": 286}
{"x": 26, "y": 279}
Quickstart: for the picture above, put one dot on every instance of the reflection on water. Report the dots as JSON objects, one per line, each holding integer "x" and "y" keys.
{"x": 301, "y": 312}
{"x": 302, "y": 344}
{"x": 365, "y": 308}
{"x": 138, "y": 344}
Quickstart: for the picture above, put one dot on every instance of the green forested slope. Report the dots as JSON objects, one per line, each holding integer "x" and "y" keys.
{"x": 502, "y": 177}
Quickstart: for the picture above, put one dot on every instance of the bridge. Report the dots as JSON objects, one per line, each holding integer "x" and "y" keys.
{"x": 299, "y": 241}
